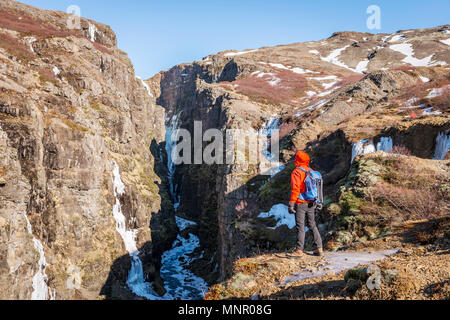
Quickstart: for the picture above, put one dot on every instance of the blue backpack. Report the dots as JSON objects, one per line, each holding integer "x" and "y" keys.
{"x": 313, "y": 187}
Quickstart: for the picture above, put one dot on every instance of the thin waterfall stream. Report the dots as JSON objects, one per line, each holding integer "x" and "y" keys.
{"x": 180, "y": 282}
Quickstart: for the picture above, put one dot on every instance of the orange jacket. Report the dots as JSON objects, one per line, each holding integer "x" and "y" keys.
{"x": 298, "y": 177}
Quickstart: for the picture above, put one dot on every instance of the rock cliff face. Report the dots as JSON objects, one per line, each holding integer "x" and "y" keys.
{"x": 70, "y": 108}
{"x": 335, "y": 98}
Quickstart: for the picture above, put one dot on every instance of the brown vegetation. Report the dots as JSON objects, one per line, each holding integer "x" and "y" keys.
{"x": 15, "y": 48}
{"x": 291, "y": 86}
{"x": 410, "y": 192}
{"x": 350, "y": 80}
{"x": 102, "y": 48}
{"x": 19, "y": 21}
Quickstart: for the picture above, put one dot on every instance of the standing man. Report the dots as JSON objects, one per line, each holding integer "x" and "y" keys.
{"x": 305, "y": 208}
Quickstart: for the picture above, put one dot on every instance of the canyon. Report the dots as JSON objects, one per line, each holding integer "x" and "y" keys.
{"x": 93, "y": 206}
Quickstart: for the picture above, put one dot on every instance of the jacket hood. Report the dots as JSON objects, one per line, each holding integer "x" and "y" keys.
{"x": 302, "y": 159}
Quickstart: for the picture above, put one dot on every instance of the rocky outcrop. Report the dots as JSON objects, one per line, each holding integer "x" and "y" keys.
{"x": 71, "y": 107}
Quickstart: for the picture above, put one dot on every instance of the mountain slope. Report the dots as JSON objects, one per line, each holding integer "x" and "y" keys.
{"x": 71, "y": 108}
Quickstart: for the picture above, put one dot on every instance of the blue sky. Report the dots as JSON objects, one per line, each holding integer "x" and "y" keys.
{"x": 160, "y": 34}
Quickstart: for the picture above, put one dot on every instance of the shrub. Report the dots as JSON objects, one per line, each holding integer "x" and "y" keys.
{"x": 412, "y": 193}
{"x": 401, "y": 150}
{"x": 411, "y": 203}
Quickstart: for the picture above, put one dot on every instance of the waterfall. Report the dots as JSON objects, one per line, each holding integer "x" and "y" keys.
{"x": 366, "y": 146}
{"x": 442, "y": 145}
{"x": 135, "y": 281}
{"x": 362, "y": 147}
{"x": 171, "y": 129}
{"x": 386, "y": 144}
{"x": 180, "y": 282}
{"x": 41, "y": 291}
{"x": 273, "y": 166}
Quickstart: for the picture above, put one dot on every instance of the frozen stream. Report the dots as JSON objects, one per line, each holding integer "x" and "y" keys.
{"x": 336, "y": 262}
{"x": 180, "y": 282}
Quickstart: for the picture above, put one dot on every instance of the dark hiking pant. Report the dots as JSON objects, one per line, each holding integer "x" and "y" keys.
{"x": 306, "y": 210}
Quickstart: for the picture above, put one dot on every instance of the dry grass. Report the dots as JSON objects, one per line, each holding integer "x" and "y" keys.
{"x": 27, "y": 25}
{"x": 47, "y": 75}
{"x": 291, "y": 86}
{"x": 443, "y": 102}
{"x": 350, "y": 80}
{"x": 401, "y": 150}
{"x": 102, "y": 48}
{"x": 411, "y": 203}
{"x": 19, "y": 21}
{"x": 410, "y": 192}
{"x": 15, "y": 48}
{"x": 420, "y": 90}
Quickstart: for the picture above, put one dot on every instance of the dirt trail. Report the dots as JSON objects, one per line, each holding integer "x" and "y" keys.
{"x": 336, "y": 262}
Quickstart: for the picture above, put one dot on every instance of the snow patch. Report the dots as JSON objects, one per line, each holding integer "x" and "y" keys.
{"x": 280, "y": 213}
{"x": 41, "y": 291}
{"x": 362, "y": 147}
{"x": 324, "y": 78}
{"x": 233, "y": 54}
{"x": 362, "y": 66}
{"x": 279, "y": 66}
{"x": 300, "y": 70}
{"x": 407, "y": 50}
{"x": 56, "y": 71}
{"x": 446, "y": 41}
{"x": 318, "y": 104}
{"x": 436, "y": 92}
{"x": 424, "y": 79}
{"x": 297, "y": 70}
{"x": 333, "y": 57}
{"x": 430, "y": 112}
{"x": 397, "y": 38}
{"x": 325, "y": 93}
{"x": 327, "y": 85}
{"x": 145, "y": 86}
{"x": 30, "y": 42}
{"x": 92, "y": 31}
{"x": 269, "y": 77}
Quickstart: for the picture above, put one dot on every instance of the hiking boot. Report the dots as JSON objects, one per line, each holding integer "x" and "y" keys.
{"x": 297, "y": 253}
{"x": 319, "y": 252}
